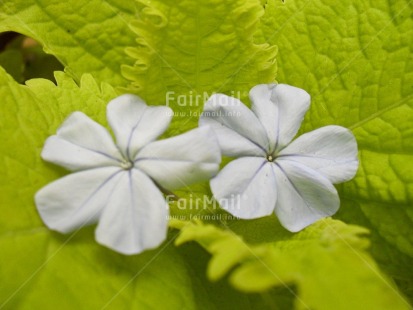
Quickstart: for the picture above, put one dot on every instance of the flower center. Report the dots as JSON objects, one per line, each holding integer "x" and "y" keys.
{"x": 126, "y": 165}
{"x": 270, "y": 157}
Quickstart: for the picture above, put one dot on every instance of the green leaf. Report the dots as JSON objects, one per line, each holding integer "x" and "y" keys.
{"x": 86, "y": 37}
{"x": 12, "y": 61}
{"x": 190, "y": 49}
{"x": 81, "y": 273}
{"x": 355, "y": 58}
{"x": 46, "y": 270}
{"x": 180, "y": 60}
{"x": 42, "y": 107}
{"x": 323, "y": 262}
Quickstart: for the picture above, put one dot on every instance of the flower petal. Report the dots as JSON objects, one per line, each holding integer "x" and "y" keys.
{"x": 246, "y": 188}
{"x": 179, "y": 161}
{"x": 238, "y": 130}
{"x": 81, "y": 143}
{"x": 330, "y": 150}
{"x": 77, "y": 199}
{"x": 135, "y": 124}
{"x": 136, "y": 216}
{"x": 304, "y": 196}
{"x": 281, "y": 109}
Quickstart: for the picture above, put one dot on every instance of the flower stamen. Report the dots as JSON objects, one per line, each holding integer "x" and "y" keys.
{"x": 126, "y": 165}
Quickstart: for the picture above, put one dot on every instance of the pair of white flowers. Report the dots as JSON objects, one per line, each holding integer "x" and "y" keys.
{"x": 118, "y": 185}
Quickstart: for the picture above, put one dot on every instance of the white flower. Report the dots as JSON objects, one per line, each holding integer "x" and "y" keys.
{"x": 294, "y": 179}
{"x": 116, "y": 185}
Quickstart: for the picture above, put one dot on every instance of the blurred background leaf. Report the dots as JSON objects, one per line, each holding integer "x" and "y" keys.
{"x": 23, "y": 58}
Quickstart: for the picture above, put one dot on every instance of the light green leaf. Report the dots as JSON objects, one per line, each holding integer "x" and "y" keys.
{"x": 323, "y": 262}
{"x": 180, "y": 60}
{"x": 46, "y": 270}
{"x": 355, "y": 58}
{"x": 194, "y": 48}
{"x": 86, "y": 37}
{"x": 81, "y": 273}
